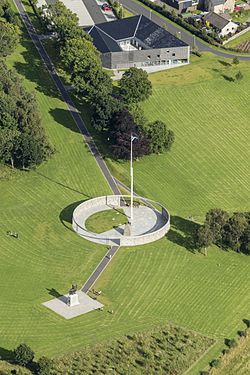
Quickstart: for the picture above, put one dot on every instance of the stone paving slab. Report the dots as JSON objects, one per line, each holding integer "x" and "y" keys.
{"x": 59, "y": 306}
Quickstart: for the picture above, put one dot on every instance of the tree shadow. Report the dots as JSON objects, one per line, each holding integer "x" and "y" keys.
{"x": 98, "y": 140}
{"x": 67, "y": 213}
{"x": 6, "y": 355}
{"x": 34, "y": 70}
{"x": 54, "y": 293}
{"x": 246, "y": 322}
{"x": 63, "y": 185}
{"x": 228, "y": 78}
{"x": 63, "y": 117}
{"x": 224, "y": 63}
{"x": 182, "y": 232}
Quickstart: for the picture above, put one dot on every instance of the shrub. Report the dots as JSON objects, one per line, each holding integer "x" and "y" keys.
{"x": 44, "y": 366}
{"x": 242, "y": 333}
{"x": 231, "y": 343}
{"x": 215, "y": 363}
{"x": 23, "y": 355}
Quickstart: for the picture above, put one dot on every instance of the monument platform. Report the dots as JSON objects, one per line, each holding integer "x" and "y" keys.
{"x": 86, "y": 304}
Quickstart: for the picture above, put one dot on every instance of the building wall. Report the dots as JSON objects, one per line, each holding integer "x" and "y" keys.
{"x": 229, "y": 6}
{"x": 141, "y": 58}
{"x": 231, "y": 27}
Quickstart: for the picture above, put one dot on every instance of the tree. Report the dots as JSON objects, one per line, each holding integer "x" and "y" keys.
{"x": 103, "y": 108}
{"x": 234, "y": 231}
{"x": 160, "y": 137}
{"x": 245, "y": 240}
{"x": 215, "y": 220}
{"x": 239, "y": 76}
{"x": 203, "y": 237}
{"x": 22, "y": 138}
{"x": 23, "y": 355}
{"x": 121, "y": 126}
{"x": 82, "y": 61}
{"x": 8, "y": 38}
{"x": 236, "y": 60}
{"x": 61, "y": 20}
{"x": 44, "y": 366}
{"x": 135, "y": 86}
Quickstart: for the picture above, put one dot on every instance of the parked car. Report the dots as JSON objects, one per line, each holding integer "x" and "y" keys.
{"x": 106, "y": 7}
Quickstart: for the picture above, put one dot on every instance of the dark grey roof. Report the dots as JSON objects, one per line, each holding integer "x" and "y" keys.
{"x": 216, "y": 20}
{"x": 217, "y": 2}
{"x": 107, "y": 35}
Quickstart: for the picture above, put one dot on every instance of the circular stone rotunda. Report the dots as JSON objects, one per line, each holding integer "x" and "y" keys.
{"x": 151, "y": 221}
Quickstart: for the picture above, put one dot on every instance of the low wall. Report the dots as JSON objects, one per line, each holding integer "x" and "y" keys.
{"x": 236, "y": 35}
{"x": 115, "y": 201}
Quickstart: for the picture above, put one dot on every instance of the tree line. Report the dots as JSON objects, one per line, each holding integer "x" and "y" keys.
{"x": 225, "y": 230}
{"x": 115, "y": 110}
{"x": 23, "y": 142}
{"x": 9, "y": 29}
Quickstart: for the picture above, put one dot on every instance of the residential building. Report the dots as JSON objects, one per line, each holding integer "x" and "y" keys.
{"x": 221, "y": 24}
{"x": 218, "y": 6}
{"x": 137, "y": 42}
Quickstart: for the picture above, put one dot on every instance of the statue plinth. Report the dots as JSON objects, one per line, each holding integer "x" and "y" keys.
{"x": 73, "y": 299}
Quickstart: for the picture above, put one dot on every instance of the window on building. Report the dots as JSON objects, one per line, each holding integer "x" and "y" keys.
{"x": 158, "y": 56}
{"x": 173, "y": 54}
{"x": 149, "y": 57}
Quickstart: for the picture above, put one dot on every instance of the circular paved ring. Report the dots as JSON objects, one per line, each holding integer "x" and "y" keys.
{"x": 151, "y": 220}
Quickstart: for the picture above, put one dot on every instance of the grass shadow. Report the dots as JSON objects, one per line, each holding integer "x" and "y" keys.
{"x": 66, "y": 214}
{"x": 224, "y": 63}
{"x": 228, "y": 78}
{"x": 6, "y": 355}
{"x": 54, "y": 293}
{"x": 182, "y": 232}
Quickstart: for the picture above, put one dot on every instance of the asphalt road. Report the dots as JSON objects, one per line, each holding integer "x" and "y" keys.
{"x": 100, "y": 268}
{"x": 70, "y": 104}
{"x": 137, "y": 8}
{"x": 94, "y": 11}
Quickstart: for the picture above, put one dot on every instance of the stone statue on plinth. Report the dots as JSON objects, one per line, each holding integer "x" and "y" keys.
{"x": 73, "y": 296}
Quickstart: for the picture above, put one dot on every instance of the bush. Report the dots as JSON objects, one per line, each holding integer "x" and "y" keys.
{"x": 23, "y": 355}
{"x": 215, "y": 363}
{"x": 204, "y": 373}
{"x": 242, "y": 333}
{"x": 231, "y": 343}
{"x": 44, "y": 366}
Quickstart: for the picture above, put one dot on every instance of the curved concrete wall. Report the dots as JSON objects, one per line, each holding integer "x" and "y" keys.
{"x": 115, "y": 201}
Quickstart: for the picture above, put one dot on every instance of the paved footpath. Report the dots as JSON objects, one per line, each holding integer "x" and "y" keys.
{"x": 100, "y": 268}
{"x": 81, "y": 126}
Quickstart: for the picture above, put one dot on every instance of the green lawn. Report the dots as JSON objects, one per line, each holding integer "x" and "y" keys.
{"x": 209, "y": 162}
{"x": 105, "y": 220}
{"x": 38, "y": 205}
{"x": 145, "y": 286}
{"x": 241, "y": 16}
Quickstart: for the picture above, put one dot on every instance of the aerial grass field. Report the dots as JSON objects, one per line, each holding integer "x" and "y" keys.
{"x": 160, "y": 283}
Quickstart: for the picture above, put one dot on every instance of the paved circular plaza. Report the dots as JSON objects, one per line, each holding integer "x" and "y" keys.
{"x": 151, "y": 221}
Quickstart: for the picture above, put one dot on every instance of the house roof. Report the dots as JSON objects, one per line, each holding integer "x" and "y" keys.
{"x": 106, "y": 36}
{"x": 217, "y": 2}
{"x": 216, "y": 20}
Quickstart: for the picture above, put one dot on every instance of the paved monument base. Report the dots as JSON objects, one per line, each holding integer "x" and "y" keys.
{"x": 86, "y": 304}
